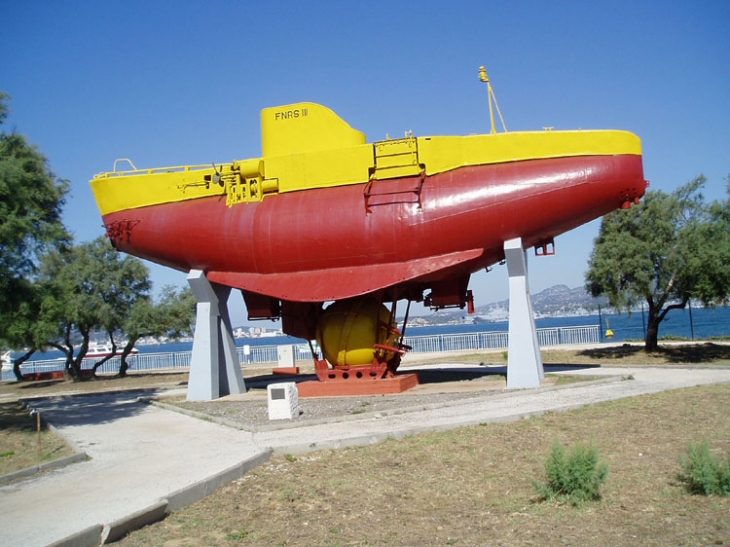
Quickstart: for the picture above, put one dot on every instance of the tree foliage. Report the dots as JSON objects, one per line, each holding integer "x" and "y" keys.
{"x": 711, "y": 242}
{"x": 55, "y": 294}
{"x": 669, "y": 249}
{"x": 31, "y": 326}
{"x": 31, "y": 200}
{"x": 4, "y": 110}
{"x": 90, "y": 286}
{"x": 173, "y": 315}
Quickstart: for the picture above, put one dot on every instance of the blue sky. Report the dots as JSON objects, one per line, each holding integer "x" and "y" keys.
{"x": 182, "y": 82}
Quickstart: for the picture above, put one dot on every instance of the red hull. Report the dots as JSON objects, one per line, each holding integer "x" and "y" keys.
{"x": 333, "y": 243}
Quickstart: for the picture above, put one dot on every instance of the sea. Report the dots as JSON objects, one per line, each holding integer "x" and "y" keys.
{"x": 687, "y": 324}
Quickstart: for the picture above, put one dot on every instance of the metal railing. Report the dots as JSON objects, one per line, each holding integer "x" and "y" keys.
{"x": 554, "y": 336}
{"x": 268, "y": 354}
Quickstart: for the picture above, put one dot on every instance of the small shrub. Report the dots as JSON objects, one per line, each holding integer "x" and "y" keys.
{"x": 574, "y": 476}
{"x": 703, "y": 472}
{"x": 237, "y": 535}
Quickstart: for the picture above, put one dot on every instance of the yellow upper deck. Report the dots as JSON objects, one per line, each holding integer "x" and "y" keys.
{"x": 306, "y": 145}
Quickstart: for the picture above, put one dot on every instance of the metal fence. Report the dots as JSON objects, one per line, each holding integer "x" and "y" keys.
{"x": 268, "y": 354}
{"x": 555, "y": 336}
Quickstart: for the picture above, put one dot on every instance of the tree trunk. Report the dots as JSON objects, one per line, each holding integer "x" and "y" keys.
{"x": 75, "y": 369}
{"x": 19, "y": 361}
{"x": 651, "y": 343}
{"x": 70, "y": 373}
{"x": 76, "y": 361}
{"x": 104, "y": 360}
{"x": 16, "y": 371}
{"x": 123, "y": 365}
{"x": 657, "y": 313}
{"x": 68, "y": 368}
{"x": 73, "y": 365}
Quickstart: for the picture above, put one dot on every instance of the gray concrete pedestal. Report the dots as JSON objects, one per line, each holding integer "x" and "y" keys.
{"x": 215, "y": 370}
{"x": 524, "y": 362}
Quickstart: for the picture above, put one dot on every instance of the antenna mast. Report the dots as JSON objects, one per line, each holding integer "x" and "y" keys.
{"x": 492, "y": 97}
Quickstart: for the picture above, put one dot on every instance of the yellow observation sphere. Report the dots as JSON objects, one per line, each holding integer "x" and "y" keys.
{"x": 349, "y": 329}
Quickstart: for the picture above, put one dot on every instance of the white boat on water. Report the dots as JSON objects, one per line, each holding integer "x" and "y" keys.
{"x": 99, "y": 351}
{"x": 7, "y": 360}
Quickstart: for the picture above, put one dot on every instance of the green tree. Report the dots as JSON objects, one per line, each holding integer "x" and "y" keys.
{"x": 172, "y": 316}
{"x": 32, "y": 326}
{"x": 4, "y": 110}
{"x": 90, "y": 286}
{"x": 31, "y": 200}
{"x": 710, "y": 242}
{"x": 667, "y": 250}
{"x": 121, "y": 284}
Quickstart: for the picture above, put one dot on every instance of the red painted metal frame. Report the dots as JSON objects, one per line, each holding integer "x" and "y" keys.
{"x": 383, "y": 386}
{"x": 376, "y": 379}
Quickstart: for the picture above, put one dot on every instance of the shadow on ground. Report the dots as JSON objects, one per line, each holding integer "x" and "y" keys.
{"x": 40, "y": 386}
{"x": 456, "y": 374}
{"x": 134, "y": 381}
{"x": 690, "y": 353}
{"x": 426, "y": 376}
{"x": 91, "y": 409}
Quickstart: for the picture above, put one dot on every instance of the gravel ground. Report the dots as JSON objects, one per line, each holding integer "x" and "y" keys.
{"x": 249, "y": 411}
{"x": 253, "y": 414}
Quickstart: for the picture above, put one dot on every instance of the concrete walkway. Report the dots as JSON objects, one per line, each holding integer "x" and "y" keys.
{"x": 145, "y": 461}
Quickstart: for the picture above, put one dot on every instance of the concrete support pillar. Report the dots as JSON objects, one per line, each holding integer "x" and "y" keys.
{"x": 215, "y": 370}
{"x": 524, "y": 364}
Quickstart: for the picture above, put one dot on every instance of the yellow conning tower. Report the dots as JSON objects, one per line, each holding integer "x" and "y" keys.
{"x": 305, "y": 127}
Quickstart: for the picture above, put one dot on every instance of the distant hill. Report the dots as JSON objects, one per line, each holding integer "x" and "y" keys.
{"x": 558, "y": 300}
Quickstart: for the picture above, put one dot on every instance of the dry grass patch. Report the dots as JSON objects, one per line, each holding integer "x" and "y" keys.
{"x": 707, "y": 353}
{"x": 101, "y": 383}
{"x": 633, "y": 354}
{"x": 19, "y": 440}
{"x": 108, "y": 382}
{"x": 471, "y": 486}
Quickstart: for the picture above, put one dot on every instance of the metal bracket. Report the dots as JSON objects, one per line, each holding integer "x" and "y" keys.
{"x": 545, "y": 248}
